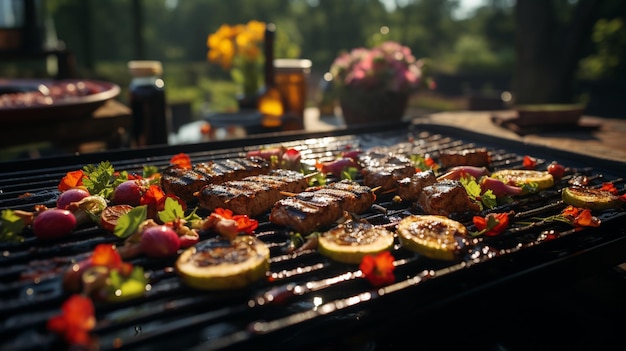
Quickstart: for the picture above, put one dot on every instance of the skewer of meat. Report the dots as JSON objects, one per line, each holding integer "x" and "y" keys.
{"x": 321, "y": 206}
{"x": 253, "y": 195}
{"x": 385, "y": 170}
{"x": 184, "y": 182}
{"x": 409, "y": 188}
{"x": 479, "y": 157}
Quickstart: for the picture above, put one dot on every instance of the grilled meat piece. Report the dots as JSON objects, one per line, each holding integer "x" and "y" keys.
{"x": 467, "y": 157}
{"x": 252, "y": 195}
{"x": 446, "y": 197}
{"x": 185, "y": 182}
{"x": 321, "y": 206}
{"x": 220, "y": 171}
{"x": 182, "y": 182}
{"x": 386, "y": 170}
{"x": 409, "y": 188}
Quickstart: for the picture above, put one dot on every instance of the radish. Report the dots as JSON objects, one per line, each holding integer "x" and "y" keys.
{"x": 71, "y": 195}
{"x": 159, "y": 241}
{"x": 54, "y": 223}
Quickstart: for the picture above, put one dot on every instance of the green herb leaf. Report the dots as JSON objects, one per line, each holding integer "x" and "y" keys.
{"x": 12, "y": 226}
{"x": 349, "y": 173}
{"x": 149, "y": 171}
{"x": 171, "y": 211}
{"x": 128, "y": 223}
{"x": 489, "y": 199}
{"x": 100, "y": 179}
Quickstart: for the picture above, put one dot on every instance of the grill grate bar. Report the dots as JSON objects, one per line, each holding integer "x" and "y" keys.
{"x": 297, "y": 278}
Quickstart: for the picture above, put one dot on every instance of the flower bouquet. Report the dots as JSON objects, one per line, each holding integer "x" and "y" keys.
{"x": 237, "y": 49}
{"x": 375, "y": 84}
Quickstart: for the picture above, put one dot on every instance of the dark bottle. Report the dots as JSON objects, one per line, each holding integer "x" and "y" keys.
{"x": 151, "y": 120}
{"x": 270, "y": 102}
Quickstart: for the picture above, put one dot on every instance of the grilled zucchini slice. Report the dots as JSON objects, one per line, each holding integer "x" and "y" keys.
{"x": 543, "y": 180}
{"x": 221, "y": 264}
{"x": 432, "y": 236}
{"x": 349, "y": 242}
{"x": 593, "y": 199}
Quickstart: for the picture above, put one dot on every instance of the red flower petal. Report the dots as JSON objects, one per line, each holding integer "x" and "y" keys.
{"x": 181, "y": 160}
{"x": 529, "y": 162}
{"x": 106, "y": 255}
{"x": 75, "y": 321}
{"x": 378, "y": 270}
{"x": 71, "y": 180}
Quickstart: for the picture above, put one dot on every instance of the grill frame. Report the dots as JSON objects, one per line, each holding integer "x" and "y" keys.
{"x": 549, "y": 264}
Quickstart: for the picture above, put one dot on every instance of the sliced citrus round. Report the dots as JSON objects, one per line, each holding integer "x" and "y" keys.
{"x": 222, "y": 264}
{"x": 593, "y": 199}
{"x": 349, "y": 242}
{"x": 432, "y": 236}
{"x": 543, "y": 180}
{"x": 110, "y": 215}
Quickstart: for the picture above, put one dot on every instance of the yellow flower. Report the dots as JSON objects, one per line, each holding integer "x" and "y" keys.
{"x": 230, "y": 42}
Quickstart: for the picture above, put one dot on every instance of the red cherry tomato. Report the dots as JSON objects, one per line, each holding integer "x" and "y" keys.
{"x": 556, "y": 170}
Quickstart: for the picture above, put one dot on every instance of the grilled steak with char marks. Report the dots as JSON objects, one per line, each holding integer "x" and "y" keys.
{"x": 184, "y": 182}
{"x": 252, "y": 195}
{"x": 409, "y": 188}
{"x": 467, "y": 157}
{"x": 321, "y": 206}
{"x": 446, "y": 197}
{"x": 384, "y": 171}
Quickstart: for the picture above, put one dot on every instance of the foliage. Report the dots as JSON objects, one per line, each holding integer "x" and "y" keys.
{"x": 609, "y": 37}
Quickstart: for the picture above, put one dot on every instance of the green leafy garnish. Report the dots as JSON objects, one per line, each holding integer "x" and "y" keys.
{"x": 173, "y": 210}
{"x": 128, "y": 223}
{"x": 12, "y": 226}
{"x": 149, "y": 171}
{"x": 422, "y": 163}
{"x": 349, "y": 173}
{"x": 120, "y": 288}
{"x": 100, "y": 179}
{"x": 474, "y": 191}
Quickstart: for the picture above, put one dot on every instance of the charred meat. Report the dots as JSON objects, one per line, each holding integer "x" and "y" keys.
{"x": 253, "y": 195}
{"x": 467, "y": 157}
{"x": 446, "y": 197}
{"x": 385, "y": 170}
{"x": 321, "y": 206}
{"x": 185, "y": 182}
{"x": 409, "y": 188}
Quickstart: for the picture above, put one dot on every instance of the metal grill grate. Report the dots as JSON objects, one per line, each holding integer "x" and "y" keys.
{"x": 308, "y": 300}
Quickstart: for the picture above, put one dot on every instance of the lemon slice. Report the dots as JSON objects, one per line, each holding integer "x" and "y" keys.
{"x": 221, "y": 264}
{"x": 432, "y": 236}
{"x": 543, "y": 180}
{"x": 593, "y": 199}
{"x": 349, "y": 242}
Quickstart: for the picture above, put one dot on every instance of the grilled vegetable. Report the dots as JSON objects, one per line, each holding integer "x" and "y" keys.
{"x": 222, "y": 264}
{"x": 524, "y": 177}
{"x": 432, "y": 236}
{"x": 593, "y": 199}
{"x": 349, "y": 242}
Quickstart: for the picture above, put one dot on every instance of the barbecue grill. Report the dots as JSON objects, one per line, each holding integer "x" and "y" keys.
{"x": 308, "y": 301}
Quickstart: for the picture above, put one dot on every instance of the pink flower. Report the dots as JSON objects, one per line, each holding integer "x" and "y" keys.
{"x": 389, "y": 66}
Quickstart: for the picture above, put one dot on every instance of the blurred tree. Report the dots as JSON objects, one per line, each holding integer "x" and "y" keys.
{"x": 550, "y": 41}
